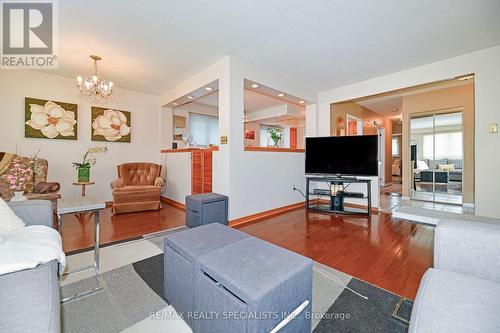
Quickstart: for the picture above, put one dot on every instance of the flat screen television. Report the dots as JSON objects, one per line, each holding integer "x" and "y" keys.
{"x": 342, "y": 155}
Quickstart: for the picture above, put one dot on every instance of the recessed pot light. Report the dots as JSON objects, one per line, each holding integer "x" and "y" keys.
{"x": 209, "y": 88}
{"x": 175, "y": 104}
{"x": 301, "y": 102}
{"x": 281, "y": 95}
{"x": 190, "y": 97}
{"x": 255, "y": 85}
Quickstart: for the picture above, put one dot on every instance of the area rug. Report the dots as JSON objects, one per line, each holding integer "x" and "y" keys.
{"x": 132, "y": 300}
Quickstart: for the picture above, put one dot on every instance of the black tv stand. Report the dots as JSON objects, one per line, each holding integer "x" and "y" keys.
{"x": 336, "y": 190}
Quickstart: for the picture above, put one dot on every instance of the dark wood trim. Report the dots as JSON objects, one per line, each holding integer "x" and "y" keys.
{"x": 275, "y": 150}
{"x": 266, "y": 214}
{"x": 173, "y": 203}
{"x": 109, "y": 204}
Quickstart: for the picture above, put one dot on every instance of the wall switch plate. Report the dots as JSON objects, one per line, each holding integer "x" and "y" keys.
{"x": 223, "y": 140}
{"x": 493, "y": 128}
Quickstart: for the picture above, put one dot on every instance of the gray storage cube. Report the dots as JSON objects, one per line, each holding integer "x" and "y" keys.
{"x": 180, "y": 262}
{"x": 252, "y": 278}
{"x": 206, "y": 208}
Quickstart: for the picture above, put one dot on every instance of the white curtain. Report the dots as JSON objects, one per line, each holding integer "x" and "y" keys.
{"x": 395, "y": 146}
{"x": 204, "y": 129}
{"x": 448, "y": 145}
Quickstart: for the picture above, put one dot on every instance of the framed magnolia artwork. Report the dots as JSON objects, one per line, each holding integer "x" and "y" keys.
{"x": 110, "y": 125}
{"x": 50, "y": 119}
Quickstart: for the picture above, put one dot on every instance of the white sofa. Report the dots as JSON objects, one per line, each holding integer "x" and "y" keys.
{"x": 462, "y": 292}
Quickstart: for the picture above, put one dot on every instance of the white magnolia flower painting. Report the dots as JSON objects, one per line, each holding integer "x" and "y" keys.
{"x": 110, "y": 125}
{"x": 50, "y": 120}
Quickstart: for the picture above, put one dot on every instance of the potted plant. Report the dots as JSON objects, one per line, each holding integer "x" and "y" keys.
{"x": 88, "y": 161}
{"x": 276, "y": 134}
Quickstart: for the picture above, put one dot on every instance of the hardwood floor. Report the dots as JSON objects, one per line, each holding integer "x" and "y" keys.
{"x": 392, "y": 255}
{"x": 389, "y": 254}
{"x": 78, "y": 235}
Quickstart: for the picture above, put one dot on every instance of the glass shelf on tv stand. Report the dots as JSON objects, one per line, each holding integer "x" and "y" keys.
{"x": 325, "y": 207}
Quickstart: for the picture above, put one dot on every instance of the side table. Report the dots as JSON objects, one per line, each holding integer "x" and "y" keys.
{"x": 82, "y": 205}
{"x": 83, "y": 185}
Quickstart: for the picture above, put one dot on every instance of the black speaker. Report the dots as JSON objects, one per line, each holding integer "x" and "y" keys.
{"x": 337, "y": 202}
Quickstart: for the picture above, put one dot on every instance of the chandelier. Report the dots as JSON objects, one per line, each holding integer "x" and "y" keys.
{"x": 94, "y": 87}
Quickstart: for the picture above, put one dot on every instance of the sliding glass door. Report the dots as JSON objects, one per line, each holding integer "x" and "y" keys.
{"x": 437, "y": 157}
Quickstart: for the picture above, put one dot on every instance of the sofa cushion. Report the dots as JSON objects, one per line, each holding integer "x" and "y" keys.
{"x": 453, "y": 302}
{"x": 457, "y": 163}
{"x": 446, "y": 167}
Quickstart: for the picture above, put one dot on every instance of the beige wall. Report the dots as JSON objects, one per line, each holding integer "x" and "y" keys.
{"x": 458, "y": 98}
{"x": 356, "y": 110}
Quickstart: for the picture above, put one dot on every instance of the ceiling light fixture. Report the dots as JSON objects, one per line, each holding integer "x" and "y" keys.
{"x": 190, "y": 97}
{"x": 94, "y": 87}
{"x": 301, "y": 102}
{"x": 209, "y": 88}
{"x": 281, "y": 94}
{"x": 395, "y": 110}
{"x": 255, "y": 85}
{"x": 174, "y": 103}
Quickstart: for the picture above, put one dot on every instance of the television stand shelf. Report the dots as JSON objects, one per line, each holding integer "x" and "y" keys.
{"x": 336, "y": 191}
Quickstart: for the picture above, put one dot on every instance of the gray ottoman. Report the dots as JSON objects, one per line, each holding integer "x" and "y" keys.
{"x": 181, "y": 252}
{"x": 251, "y": 286}
{"x": 206, "y": 208}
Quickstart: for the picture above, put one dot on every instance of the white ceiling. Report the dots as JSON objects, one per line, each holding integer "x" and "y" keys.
{"x": 385, "y": 106}
{"x": 255, "y": 101}
{"x": 152, "y": 46}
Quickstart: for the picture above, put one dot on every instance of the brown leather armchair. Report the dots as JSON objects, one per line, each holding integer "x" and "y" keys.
{"x": 137, "y": 188}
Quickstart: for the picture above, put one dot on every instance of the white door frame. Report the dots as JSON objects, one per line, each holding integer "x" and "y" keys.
{"x": 381, "y": 156}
